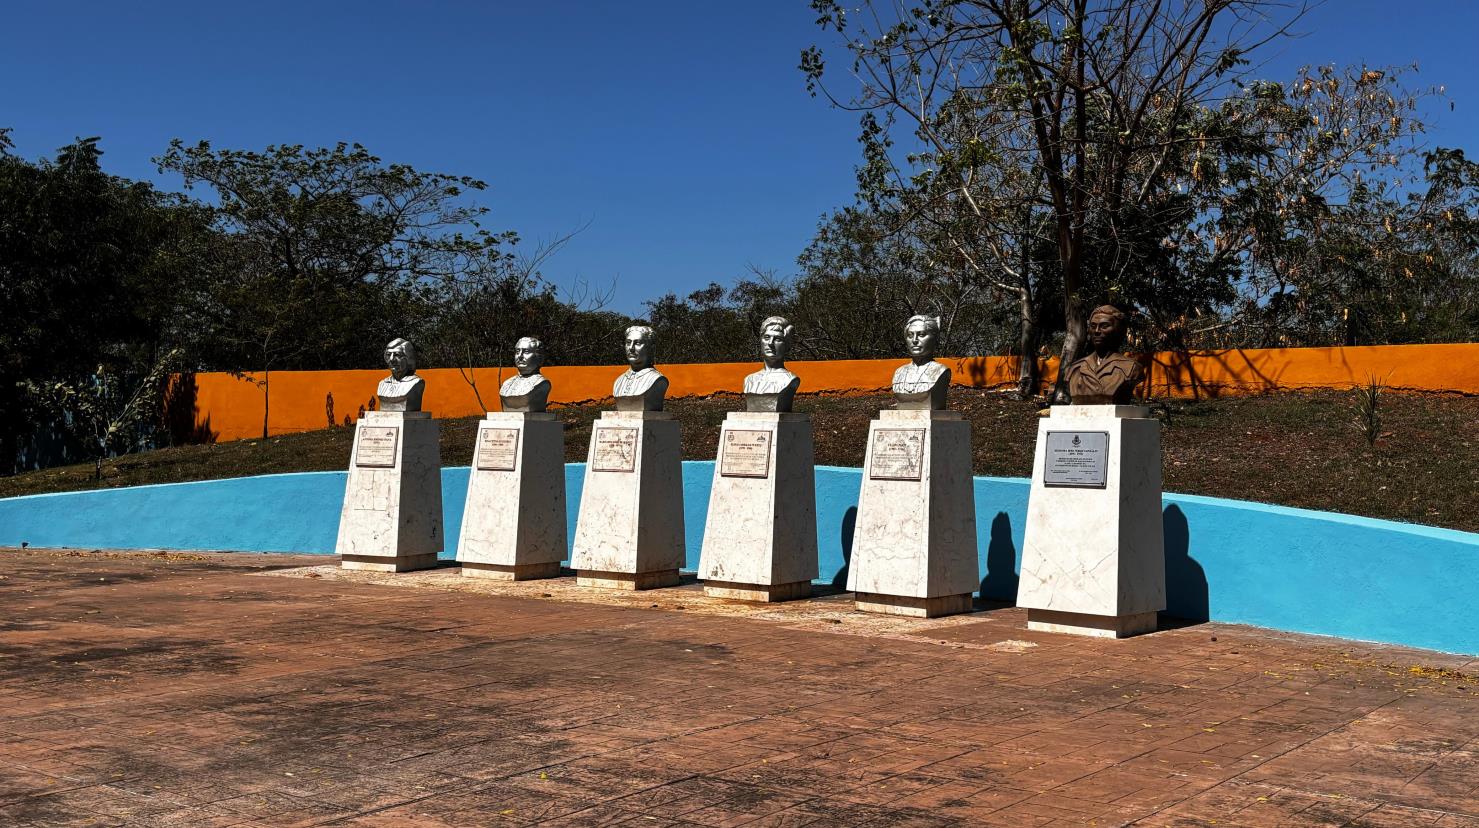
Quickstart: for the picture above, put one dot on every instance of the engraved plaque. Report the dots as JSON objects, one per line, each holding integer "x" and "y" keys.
{"x": 1076, "y": 459}
{"x": 616, "y": 449}
{"x": 498, "y": 449}
{"x": 745, "y": 453}
{"x": 898, "y": 454}
{"x": 376, "y": 447}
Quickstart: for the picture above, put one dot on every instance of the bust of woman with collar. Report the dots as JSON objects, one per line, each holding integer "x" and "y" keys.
{"x": 922, "y": 383}
{"x": 402, "y": 390}
{"x": 773, "y": 388}
{"x": 641, "y": 387}
{"x": 528, "y": 391}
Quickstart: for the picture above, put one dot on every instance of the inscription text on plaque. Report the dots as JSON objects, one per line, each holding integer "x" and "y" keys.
{"x": 616, "y": 449}
{"x": 376, "y": 447}
{"x": 498, "y": 449}
{"x": 898, "y": 454}
{"x": 1076, "y": 459}
{"x": 745, "y": 453}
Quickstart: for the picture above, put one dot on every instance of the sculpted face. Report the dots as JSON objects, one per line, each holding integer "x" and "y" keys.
{"x": 528, "y": 356}
{"x": 920, "y": 339}
{"x": 774, "y": 346}
{"x": 1105, "y": 332}
{"x": 639, "y": 349}
{"x": 400, "y": 361}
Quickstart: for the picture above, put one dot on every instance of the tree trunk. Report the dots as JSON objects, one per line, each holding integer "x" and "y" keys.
{"x": 1070, "y": 250}
{"x": 1029, "y": 336}
{"x": 1073, "y": 341}
{"x": 9, "y": 444}
{"x": 266, "y": 399}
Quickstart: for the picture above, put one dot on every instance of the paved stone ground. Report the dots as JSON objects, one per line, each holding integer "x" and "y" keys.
{"x": 191, "y": 690}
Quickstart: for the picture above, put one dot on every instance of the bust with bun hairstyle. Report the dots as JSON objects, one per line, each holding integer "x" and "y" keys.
{"x": 402, "y": 390}
{"x": 922, "y": 383}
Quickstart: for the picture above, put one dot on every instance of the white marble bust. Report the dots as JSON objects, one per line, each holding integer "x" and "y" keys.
{"x": 641, "y": 387}
{"x": 402, "y": 390}
{"x": 528, "y": 391}
{"x": 921, "y": 383}
{"x": 773, "y": 388}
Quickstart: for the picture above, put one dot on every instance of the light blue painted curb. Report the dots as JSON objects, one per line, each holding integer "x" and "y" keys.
{"x": 1227, "y": 560}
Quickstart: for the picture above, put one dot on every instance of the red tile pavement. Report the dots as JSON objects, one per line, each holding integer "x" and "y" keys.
{"x": 192, "y": 690}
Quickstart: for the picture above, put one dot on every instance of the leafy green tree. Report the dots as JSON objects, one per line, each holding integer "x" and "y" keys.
{"x": 89, "y": 269}
{"x": 1124, "y": 138}
{"x": 103, "y": 412}
{"x": 324, "y": 254}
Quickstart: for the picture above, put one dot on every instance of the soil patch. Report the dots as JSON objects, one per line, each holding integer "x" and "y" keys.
{"x": 1301, "y": 449}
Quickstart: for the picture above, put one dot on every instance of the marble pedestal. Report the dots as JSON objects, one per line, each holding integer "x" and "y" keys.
{"x": 760, "y": 539}
{"x": 513, "y": 527}
{"x": 392, "y": 515}
{"x": 1093, "y": 555}
{"x": 629, "y": 534}
{"x": 914, "y": 544}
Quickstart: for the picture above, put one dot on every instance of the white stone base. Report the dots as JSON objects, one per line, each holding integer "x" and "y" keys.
{"x": 517, "y": 572}
{"x": 392, "y": 515}
{"x": 1097, "y": 626}
{"x": 765, "y": 593}
{"x": 916, "y": 539}
{"x": 402, "y": 563}
{"x": 1093, "y": 559}
{"x": 514, "y": 520}
{"x": 761, "y": 531}
{"x": 626, "y": 580}
{"x": 913, "y": 607}
{"x": 631, "y": 522}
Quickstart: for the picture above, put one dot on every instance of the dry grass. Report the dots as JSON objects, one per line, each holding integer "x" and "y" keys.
{"x": 1292, "y": 449}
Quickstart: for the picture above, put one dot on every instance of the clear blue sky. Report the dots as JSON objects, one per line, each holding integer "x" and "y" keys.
{"x": 681, "y": 131}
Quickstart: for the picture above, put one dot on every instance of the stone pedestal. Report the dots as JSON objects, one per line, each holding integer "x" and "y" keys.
{"x": 513, "y": 527}
{"x": 760, "y": 539}
{"x": 914, "y": 545}
{"x": 630, "y": 531}
{"x": 1093, "y": 557}
{"x": 392, "y": 516}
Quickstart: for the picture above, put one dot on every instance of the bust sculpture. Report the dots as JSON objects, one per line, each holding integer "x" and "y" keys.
{"x": 773, "y": 388}
{"x": 1105, "y": 376}
{"x": 921, "y": 383}
{"x": 640, "y": 387}
{"x": 527, "y": 392}
{"x": 402, "y": 390}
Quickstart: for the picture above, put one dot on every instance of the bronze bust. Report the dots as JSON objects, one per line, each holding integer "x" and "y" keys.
{"x": 1105, "y": 376}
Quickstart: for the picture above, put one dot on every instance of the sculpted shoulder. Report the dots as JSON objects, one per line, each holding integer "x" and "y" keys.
{"x": 636, "y": 383}
{"x": 766, "y": 381}
{"x": 911, "y": 378}
{"x": 402, "y": 394}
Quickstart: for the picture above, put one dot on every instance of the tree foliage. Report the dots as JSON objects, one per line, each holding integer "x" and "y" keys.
{"x": 1070, "y": 153}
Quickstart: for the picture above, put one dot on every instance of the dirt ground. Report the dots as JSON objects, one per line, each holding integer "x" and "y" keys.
{"x": 234, "y": 690}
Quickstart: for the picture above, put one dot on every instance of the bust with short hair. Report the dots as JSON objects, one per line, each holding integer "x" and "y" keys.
{"x": 1105, "y": 376}
{"x": 922, "y": 383}
{"x": 528, "y": 392}
{"x": 641, "y": 387}
{"x": 402, "y": 390}
{"x": 773, "y": 388}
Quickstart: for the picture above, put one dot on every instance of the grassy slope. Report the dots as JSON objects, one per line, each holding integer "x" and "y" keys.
{"x": 1291, "y": 449}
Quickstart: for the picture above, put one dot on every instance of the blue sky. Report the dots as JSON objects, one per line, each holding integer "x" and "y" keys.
{"x": 680, "y": 131}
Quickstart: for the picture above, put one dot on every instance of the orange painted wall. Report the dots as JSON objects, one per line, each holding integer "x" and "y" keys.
{"x": 231, "y": 408}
